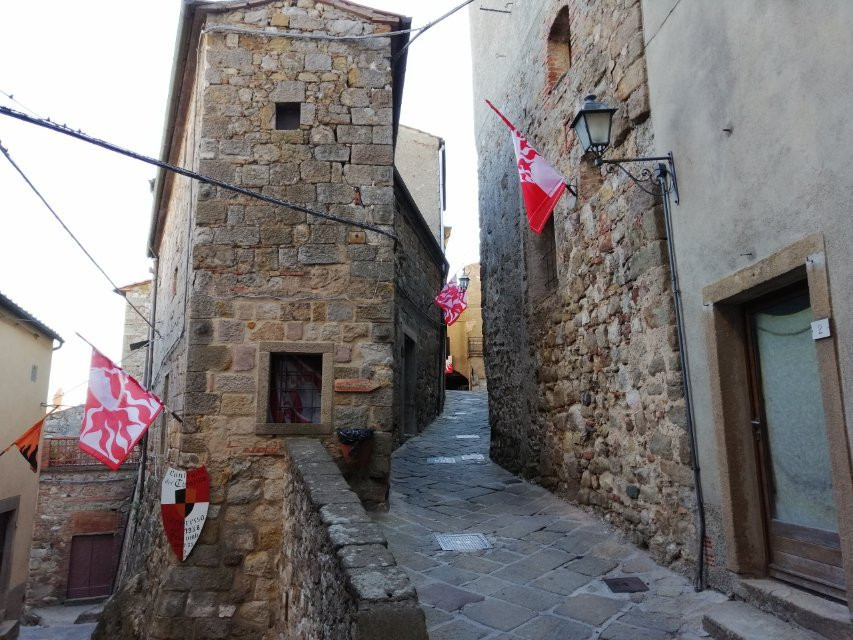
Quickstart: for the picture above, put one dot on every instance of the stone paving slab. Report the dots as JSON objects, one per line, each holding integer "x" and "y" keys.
{"x": 543, "y": 578}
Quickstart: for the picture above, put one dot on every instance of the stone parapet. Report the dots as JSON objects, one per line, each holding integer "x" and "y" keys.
{"x": 341, "y": 580}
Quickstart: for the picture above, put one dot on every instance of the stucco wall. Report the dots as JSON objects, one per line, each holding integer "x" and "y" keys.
{"x": 23, "y": 388}
{"x": 416, "y": 157}
{"x": 753, "y": 99}
{"x": 469, "y": 325}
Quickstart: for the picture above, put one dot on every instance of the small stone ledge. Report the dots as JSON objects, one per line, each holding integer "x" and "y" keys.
{"x": 366, "y": 592}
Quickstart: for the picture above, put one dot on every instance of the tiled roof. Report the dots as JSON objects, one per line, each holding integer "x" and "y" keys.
{"x": 9, "y": 305}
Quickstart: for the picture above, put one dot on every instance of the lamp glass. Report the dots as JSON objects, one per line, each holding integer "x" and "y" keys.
{"x": 597, "y": 125}
{"x": 582, "y": 131}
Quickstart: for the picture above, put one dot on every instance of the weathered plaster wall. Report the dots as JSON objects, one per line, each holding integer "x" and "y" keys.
{"x": 469, "y": 325}
{"x": 584, "y": 380}
{"x": 23, "y": 388}
{"x": 416, "y": 157}
{"x": 752, "y": 98}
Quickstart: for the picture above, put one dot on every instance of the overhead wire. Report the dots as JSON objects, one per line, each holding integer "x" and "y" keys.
{"x": 428, "y": 26}
{"x": 116, "y": 288}
{"x": 49, "y": 124}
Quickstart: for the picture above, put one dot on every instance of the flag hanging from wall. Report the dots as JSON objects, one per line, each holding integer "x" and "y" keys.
{"x": 541, "y": 185}
{"x": 28, "y": 443}
{"x": 117, "y": 414}
{"x": 448, "y": 365}
{"x": 452, "y": 301}
{"x": 184, "y": 499}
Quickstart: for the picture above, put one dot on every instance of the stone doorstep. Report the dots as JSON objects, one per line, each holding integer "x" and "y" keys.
{"x": 739, "y": 621}
{"x": 825, "y": 617}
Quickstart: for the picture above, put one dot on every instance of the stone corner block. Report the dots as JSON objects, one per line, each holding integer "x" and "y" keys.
{"x": 383, "y": 584}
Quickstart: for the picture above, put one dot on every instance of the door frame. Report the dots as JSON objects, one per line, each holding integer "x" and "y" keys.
{"x": 726, "y": 343}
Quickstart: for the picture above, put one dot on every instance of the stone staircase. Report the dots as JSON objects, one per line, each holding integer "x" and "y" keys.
{"x": 772, "y": 610}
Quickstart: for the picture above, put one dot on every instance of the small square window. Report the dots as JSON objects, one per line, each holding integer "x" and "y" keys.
{"x": 287, "y": 115}
{"x": 296, "y": 386}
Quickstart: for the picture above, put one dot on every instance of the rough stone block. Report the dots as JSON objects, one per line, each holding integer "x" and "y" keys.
{"x": 398, "y": 621}
{"x": 381, "y": 584}
{"x": 373, "y": 154}
{"x": 288, "y": 91}
{"x": 320, "y": 254}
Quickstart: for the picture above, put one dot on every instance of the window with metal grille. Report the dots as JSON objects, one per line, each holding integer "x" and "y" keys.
{"x": 549, "y": 255}
{"x": 475, "y": 346}
{"x": 296, "y": 383}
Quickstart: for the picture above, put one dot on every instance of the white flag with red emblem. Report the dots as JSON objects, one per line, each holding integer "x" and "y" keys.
{"x": 452, "y": 301}
{"x": 117, "y": 414}
{"x": 541, "y": 185}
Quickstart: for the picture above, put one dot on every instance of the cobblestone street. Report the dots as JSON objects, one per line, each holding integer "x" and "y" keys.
{"x": 542, "y": 579}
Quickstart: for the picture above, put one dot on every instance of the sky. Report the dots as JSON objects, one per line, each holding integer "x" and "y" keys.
{"x": 103, "y": 66}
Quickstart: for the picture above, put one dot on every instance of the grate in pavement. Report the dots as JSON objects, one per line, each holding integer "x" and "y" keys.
{"x": 625, "y": 585}
{"x": 462, "y": 541}
{"x": 473, "y": 456}
{"x": 470, "y": 436}
{"x": 441, "y": 460}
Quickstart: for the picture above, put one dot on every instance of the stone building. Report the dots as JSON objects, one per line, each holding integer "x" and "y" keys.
{"x": 82, "y": 509}
{"x": 580, "y": 322}
{"x": 420, "y": 158}
{"x": 465, "y": 336}
{"x": 275, "y": 327}
{"x": 27, "y": 348}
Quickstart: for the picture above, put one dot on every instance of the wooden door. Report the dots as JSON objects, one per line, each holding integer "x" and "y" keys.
{"x": 92, "y": 566}
{"x": 801, "y": 524}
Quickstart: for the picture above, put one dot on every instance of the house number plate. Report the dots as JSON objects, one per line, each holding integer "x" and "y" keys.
{"x": 820, "y": 329}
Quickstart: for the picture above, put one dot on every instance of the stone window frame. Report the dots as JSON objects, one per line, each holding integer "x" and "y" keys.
{"x": 726, "y": 344}
{"x": 10, "y": 505}
{"x": 326, "y": 425}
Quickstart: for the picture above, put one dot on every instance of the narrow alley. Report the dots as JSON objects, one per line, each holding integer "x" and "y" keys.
{"x": 543, "y": 577}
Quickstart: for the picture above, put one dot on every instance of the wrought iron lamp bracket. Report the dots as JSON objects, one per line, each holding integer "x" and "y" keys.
{"x": 661, "y": 179}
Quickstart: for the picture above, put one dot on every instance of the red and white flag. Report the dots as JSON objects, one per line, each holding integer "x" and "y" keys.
{"x": 117, "y": 414}
{"x": 541, "y": 185}
{"x": 452, "y": 301}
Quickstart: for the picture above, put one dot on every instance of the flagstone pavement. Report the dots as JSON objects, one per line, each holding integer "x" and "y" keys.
{"x": 542, "y": 580}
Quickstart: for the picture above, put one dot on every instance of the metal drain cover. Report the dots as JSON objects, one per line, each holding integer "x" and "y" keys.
{"x": 469, "y": 436}
{"x": 462, "y": 541}
{"x": 625, "y": 585}
{"x": 441, "y": 460}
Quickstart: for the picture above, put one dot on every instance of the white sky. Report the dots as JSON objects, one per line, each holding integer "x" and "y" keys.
{"x": 103, "y": 66}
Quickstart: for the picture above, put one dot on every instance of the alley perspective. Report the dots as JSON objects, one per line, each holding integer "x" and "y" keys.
{"x": 472, "y": 320}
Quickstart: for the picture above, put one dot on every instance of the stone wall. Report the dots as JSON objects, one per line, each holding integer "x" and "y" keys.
{"x": 73, "y": 501}
{"x": 239, "y": 279}
{"x": 584, "y": 381}
{"x": 136, "y": 330}
{"x": 421, "y": 270}
{"x": 340, "y": 580}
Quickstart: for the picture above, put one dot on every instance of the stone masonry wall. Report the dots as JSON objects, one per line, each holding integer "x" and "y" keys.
{"x": 340, "y": 582}
{"x": 421, "y": 271}
{"x": 599, "y": 416}
{"x": 258, "y": 275}
{"x": 73, "y": 501}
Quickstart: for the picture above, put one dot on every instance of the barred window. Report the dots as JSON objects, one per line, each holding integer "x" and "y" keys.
{"x": 296, "y": 388}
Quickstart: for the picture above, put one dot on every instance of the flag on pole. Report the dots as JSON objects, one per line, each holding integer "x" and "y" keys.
{"x": 541, "y": 185}
{"x": 28, "y": 444}
{"x": 452, "y": 301}
{"x": 448, "y": 365}
{"x": 118, "y": 412}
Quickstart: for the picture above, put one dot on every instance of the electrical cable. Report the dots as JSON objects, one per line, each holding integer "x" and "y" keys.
{"x": 429, "y": 25}
{"x": 14, "y": 99}
{"x": 48, "y": 124}
{"x": 116, "y": 288}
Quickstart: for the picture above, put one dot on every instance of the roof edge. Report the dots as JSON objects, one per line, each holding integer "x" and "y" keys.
{"x": 22, "y": 314}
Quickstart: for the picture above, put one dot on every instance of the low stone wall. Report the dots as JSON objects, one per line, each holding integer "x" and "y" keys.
{"x": 342, "y": 581}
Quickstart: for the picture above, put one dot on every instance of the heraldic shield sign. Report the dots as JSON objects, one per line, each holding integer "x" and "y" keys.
{"x": 184, "y": 498}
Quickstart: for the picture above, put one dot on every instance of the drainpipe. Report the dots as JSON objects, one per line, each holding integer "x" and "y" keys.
{"x": 699, "y": 583}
